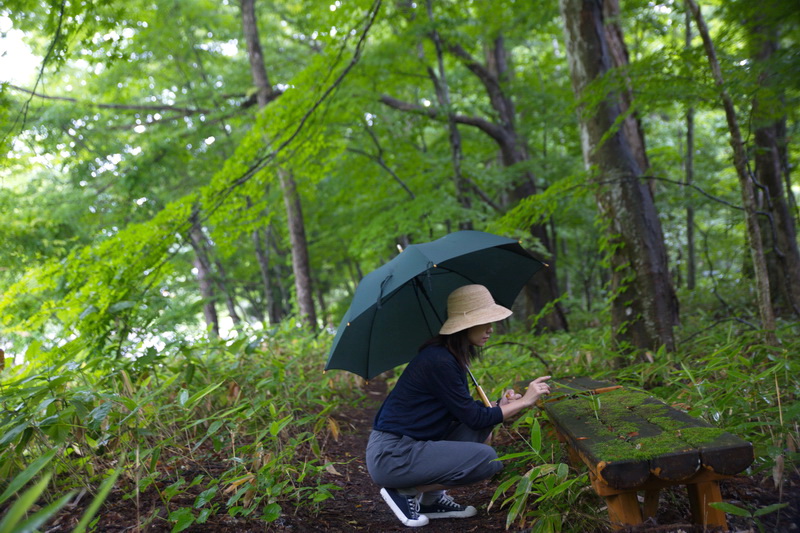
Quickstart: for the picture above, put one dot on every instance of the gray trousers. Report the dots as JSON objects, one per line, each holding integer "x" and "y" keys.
{"x": 461, "y": 459}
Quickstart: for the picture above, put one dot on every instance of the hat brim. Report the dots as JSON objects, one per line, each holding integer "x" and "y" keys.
{"x": 484, "y": 315}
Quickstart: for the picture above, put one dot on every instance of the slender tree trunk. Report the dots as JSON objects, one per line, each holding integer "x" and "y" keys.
{"x": 443, "y": 96}
{"x": 745, "y": 182}
{"x": 222, "y": 283}
{"x": 691, "y": 268}
{"x": 779, "y": 233}
{"x": 204, "y": 277}
{"x": 300, "y": 261}
{"x": 644, "y": 307}
{"x": 262, "y": 255}
{"x": 294, "y": 213}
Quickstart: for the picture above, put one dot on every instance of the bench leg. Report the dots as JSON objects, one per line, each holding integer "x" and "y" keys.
{"x": 623, "y": 510}
{"x": 700, "y": 495}
{"x": 650, "y": 503}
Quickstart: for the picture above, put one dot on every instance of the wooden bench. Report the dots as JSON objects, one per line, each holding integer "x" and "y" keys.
{"x": 632, "y": 442}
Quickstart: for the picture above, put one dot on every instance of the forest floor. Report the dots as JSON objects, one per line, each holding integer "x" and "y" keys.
{"x": 358, "y": 506}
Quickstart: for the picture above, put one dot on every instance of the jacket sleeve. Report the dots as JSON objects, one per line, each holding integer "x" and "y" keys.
{"x": 449, "y": 384}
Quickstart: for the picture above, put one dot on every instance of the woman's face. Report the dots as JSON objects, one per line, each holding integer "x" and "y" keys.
{"x": 478, "y": 335}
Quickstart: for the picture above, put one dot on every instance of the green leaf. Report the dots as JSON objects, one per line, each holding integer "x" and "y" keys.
{"x": 770, "y": 509}
{"x": 215, "y": 425}
{"x": 276, "y": 426}
{"x": 26, "y": 475}
{"x": 730, "y": 509}
{"x": 33, "y": 523}
{"x": 23, "y": 505}
{"x": 183, "y": 397}
{"x": 271, "y": 512}
{"x": 174, "y": 489}
{"x": 205, "y": 497}
{"x": 183, "y": 518}
{"x": 120, "y": 306}
{"x": 12, "y": 433}
{"x": 98, "y": 500}
{"x": 536, "y": 436}
{"x": 99, "y": 414}
{"x": 203, "y": 516}
{"x": 199, "y": 395}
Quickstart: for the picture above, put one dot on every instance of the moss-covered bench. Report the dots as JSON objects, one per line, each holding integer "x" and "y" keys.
{"x": 633, "y": 442}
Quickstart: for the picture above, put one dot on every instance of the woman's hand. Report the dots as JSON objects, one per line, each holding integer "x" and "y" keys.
{"x": 509, "y": 396}
{"x": 511, "y": 403}
{"x": 536, "y": 389}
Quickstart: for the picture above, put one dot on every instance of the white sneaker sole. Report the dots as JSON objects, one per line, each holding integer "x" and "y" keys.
{"x": 466, "y": 513}
{"x": 419, "y": 522}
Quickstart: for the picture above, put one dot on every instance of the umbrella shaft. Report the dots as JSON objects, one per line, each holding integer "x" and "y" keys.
{"x": 482, "y": 394}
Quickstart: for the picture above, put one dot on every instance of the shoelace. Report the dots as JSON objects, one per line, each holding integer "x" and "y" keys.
{"x": 413, "y": 506}
{"x": 446, "y": 501}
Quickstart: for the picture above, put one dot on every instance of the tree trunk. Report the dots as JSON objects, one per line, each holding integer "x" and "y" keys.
{"x": 691, "y": 267}
{"x": 262, "y": 255}
{"x": 297, "y": 236}
{"x": 294, "y": 214}
{"x": 779, "y": 233}
{"x": 745, "y": 182}
{"x": 221, "y": 280}
{"x": 644, "y": 306}
{"x": 443, "y": 96}
{"x": 204, "y": 278}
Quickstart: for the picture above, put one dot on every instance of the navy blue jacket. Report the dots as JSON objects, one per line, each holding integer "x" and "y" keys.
{"x": 431, "y": 393}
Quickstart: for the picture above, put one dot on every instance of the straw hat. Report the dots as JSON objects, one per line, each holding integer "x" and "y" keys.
{"x": 471, "y": 305}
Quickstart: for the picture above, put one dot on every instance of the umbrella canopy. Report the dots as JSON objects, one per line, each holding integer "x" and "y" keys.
{"x": 403, "y": 303}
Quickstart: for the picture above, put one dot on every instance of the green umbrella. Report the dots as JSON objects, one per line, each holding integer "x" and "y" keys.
{"x": 400, "y": 305}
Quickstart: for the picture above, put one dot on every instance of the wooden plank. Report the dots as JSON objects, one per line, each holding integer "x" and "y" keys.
{"x": 582, "y": 434}
{"x": 650, "y": 507}
{"x": 653, "y": 483}
{"x": 700, "y": 495}
{"x": 720, "y": 451}
{"x": 623, "y": 510}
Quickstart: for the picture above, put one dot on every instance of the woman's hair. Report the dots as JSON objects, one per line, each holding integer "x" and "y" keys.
{"x": 458, "y": 344}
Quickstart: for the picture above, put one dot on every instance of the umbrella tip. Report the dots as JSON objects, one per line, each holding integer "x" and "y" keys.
{"x": 399, "y": 248}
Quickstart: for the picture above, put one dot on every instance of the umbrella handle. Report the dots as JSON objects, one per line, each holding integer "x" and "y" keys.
{"x": 482, "y": 394}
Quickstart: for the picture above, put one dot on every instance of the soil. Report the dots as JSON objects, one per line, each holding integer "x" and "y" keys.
{"x": 358, "y": 507}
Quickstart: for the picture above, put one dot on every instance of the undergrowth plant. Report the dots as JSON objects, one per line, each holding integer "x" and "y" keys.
{"x": 214, "y": 426}
{"x": 539, "y": 493}
{"x": 723, "y": 375}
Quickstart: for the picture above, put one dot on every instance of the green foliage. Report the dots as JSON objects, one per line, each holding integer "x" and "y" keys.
{"x": 250, "y": 399}
{"x": 544, "y": 496}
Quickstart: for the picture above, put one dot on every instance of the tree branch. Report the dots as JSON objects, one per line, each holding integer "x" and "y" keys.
{"x": 129, "y": 107}
{"x": 491, "y": 129}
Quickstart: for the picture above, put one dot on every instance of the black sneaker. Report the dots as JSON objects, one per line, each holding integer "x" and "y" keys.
{"x": 446, "y": 507}
{"x": 405, "y": 508}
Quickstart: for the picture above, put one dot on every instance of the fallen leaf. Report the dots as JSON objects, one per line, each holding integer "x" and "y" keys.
{"x": 331, "y": 470}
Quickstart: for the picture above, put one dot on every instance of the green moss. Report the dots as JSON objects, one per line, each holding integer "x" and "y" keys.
{"x": 700, "y": 436}
{"x": 610, "y": 422}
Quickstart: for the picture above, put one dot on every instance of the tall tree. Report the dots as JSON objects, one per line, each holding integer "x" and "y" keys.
{"x": 691, "y": 267}
{"x": 291, "y": 198}
{"x": 755, "y": 241}
{"x": 779, "y": 227}
{"x": 204, "y": 276}
{"x": 644, "y": 306}
{"x": 494, "y": 76}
